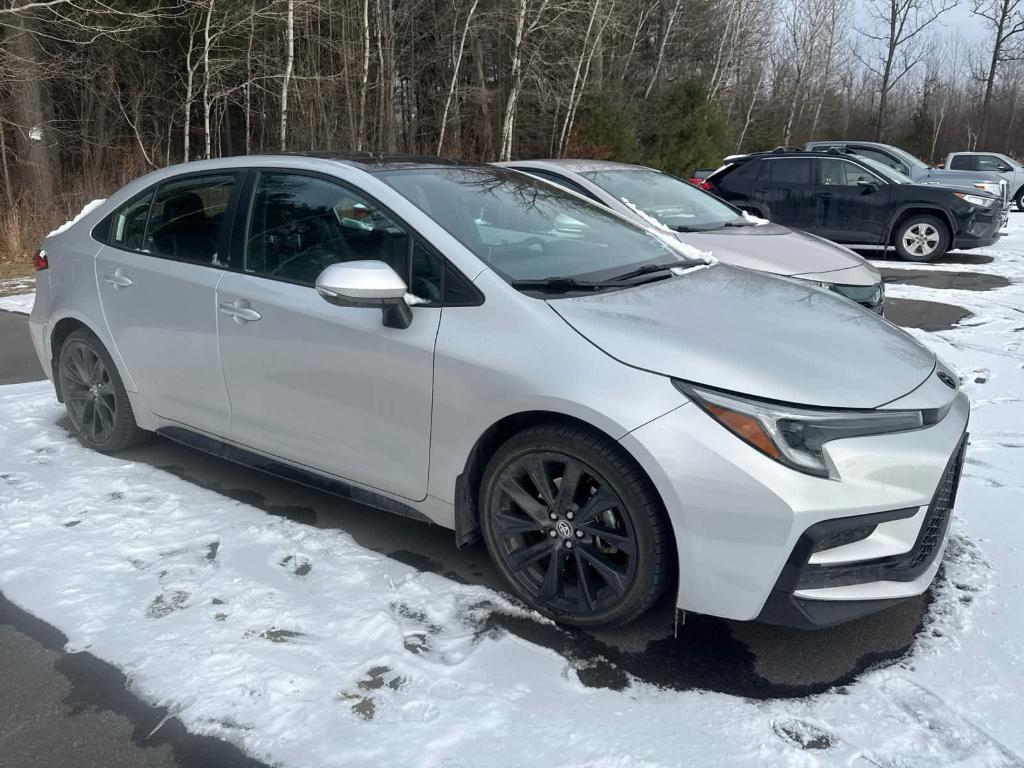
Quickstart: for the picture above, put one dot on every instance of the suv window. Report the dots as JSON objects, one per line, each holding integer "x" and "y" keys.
{"x": 186, "y": 217}
{"x": 962, "y": 163}
{"x": 836, "y": 172}
{"x": 300, "y": 225}
{"x": 789, "y": 170}
{"x": 882, "y": 157}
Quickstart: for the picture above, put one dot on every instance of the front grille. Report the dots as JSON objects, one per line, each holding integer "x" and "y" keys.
{"x": 909, "y": 565}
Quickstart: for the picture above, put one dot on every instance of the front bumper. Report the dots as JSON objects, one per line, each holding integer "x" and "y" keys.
{"x": 812, "y": 595}
{"x": 869, "y": 296}
{"x": 739, "y": 517}
{"x": 977, "y": 230}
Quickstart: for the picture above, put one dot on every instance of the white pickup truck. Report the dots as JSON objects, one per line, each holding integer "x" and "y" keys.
{"x": 992, "y": 162}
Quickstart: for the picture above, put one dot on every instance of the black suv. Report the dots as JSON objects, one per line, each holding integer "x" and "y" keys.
{"x": 859, "y": 202}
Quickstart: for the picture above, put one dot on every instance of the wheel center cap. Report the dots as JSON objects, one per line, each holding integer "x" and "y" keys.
{"x": 565, "y": 529}
{"x": 94, "y": 390}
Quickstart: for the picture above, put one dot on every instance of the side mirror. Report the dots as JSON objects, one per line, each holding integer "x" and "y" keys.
{"x": 868, "y": 185}
{"x": 371, "y": 284}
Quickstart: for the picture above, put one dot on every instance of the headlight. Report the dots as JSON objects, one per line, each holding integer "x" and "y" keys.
{"x": 989, "y": 186}
{"x": 984, "y": 202}
{"x": 792, "y": 435}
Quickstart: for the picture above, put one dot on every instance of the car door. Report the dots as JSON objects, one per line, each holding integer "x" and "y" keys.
{"x": 853, "y": 203}
{"x": 328, "y": 387}
{"x": 157, "y": 275}
{"x": 785, "y": 192}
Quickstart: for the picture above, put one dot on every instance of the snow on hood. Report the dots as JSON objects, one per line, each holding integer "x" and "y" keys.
{"x": 668, "y": 236}
{"x": 753, "y": 219}
{"x": 747, "y": 332}
{"x": 89, "y": 208}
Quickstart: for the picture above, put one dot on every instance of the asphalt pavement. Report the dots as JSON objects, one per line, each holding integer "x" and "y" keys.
{"x": 59, "y": 709}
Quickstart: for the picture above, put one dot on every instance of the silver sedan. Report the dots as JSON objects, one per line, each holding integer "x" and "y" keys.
{"x": 467, "y": 345}
{"x": 702, "y": 220}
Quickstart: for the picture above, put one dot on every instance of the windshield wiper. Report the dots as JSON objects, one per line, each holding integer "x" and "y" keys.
{"x": 691, "y": 228}
{"x": 647, "y": 269}
{"x": 560, "y": 284}
{"x": 739, "y": 223}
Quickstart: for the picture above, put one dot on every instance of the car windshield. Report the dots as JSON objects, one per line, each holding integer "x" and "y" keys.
{"x": 670, "y": 201}
{"x": 885, "y": 171}
{"x": 526, "y": 229}
{"x": 908, "y": 158}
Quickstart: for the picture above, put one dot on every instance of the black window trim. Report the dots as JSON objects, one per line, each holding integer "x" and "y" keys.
{"x": 240, "y": 227}
{"x": 227, "y": 225}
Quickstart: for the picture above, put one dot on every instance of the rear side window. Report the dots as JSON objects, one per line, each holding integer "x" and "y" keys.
{"x": 790, "y": 170}
{"x": 746, "y": 171}
{"x": 962, "y": 163}
{"x": 128, "y": 225}
{"x": 186, "y": 218}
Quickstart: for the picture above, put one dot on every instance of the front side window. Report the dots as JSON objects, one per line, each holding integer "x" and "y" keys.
{"x": 991, "y": 164}
{"x": 299, "y": 225}
{"x": 673, "y": 202}
{"x": 561, "y": 181}
{"x": 881, "y": 157}
{"x": 527, "y": 230}
{"x": 186, "y": 219}
{"x": 841, "y": 173}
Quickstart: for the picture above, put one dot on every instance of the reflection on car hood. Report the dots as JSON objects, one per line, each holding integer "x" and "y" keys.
{"x": 773, "y": 248}
{"x": 752, "y": 333}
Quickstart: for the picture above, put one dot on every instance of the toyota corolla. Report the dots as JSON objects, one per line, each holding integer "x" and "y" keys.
{"x": 466, "y": 345}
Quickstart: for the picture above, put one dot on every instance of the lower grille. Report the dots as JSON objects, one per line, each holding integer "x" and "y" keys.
{"x": 910, "y": 565}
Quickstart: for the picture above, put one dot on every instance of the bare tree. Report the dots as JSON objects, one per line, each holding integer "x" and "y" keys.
{"x": 1006, "y": 19}
{"x": 897, "y": 32}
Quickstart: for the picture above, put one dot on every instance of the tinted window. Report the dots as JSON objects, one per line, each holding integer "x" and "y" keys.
{"x": 186, "y": 217}
{"x": 841, "y": 173}
{"x": 128, "y": 225}
{"x": 301, "y": 224}
{"x": 790, "y": 170}
{"x": 525, "y": 229}
{"x": 962, "y": 163}
{"x": 666, "y": 199}
{"x": 561, "y": 181}
{"x": 747, "y": 171}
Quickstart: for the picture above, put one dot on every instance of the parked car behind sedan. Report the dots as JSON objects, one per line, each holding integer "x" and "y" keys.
{"x": 992, "y": 162}
{"x": 854, "y": 200}
{"x": 916, "y": 169}
{"x": 614, "y": 418}
{"x": 704, "y": 221}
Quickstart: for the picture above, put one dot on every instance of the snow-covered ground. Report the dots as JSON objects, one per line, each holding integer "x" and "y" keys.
{"x": 306, "y": 649}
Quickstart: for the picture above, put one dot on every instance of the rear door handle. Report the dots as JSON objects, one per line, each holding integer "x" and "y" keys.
{"x": 240, "y": 311}
{"x": 118, "y": 279}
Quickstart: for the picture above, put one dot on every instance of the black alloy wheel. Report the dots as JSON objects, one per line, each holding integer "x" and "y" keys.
{"x": 94, "y": 395}
{"x": 574, "y": 544}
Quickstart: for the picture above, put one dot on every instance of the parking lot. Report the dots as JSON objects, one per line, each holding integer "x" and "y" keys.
{"x": 288, "y": 621}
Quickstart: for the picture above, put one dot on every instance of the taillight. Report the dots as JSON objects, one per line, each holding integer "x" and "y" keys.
{"x": 706, "y": 185}
{"x": 39, "y": 261}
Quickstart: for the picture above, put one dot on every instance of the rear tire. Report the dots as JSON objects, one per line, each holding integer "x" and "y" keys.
{"x": 94, "y": 395}
{"x": 1019, "y": 199}
{"x": 596, "y": 553}
{"x": 921, "y": 238}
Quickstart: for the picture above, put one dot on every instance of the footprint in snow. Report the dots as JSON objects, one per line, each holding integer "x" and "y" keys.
{"x": 300, "y": 566}
{"x": 803, "y": 734}
{"x": 164, "y": 605}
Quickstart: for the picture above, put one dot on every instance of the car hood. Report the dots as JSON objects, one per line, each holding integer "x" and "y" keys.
{"x": 774, "y": 248}
{"x": 956, "y": 178}
{"x": 747, "y": 332}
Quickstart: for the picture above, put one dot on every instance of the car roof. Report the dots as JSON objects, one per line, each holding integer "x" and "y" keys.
{"x": 575, "y": 165}
{"x": 790, "y": 152}
{"x": 376, "y": 161}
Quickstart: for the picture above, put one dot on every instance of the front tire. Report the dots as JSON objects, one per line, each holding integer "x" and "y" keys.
{"x": 921, "y": 238}
{"x": 94, "y": 395}
{"x": 1019, "y": 199}
{"x": 575, "y": 526}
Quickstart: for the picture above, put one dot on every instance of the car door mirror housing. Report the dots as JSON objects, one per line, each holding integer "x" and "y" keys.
{"x": 868, "y": 185}
{"x": 372, "y": 284}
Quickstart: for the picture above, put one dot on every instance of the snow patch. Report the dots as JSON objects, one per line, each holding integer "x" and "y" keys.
{"x": 21, "y": 303}
{"x": 89, "y": 208}
{"x": 754, "y": 219}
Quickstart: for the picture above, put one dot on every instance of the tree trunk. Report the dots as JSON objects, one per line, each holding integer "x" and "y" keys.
{"x": 206, "y": 82}
{"x": 661, "y": 48}
{"x": 32, "y": 136}
{"x": 364, "y": 82}
{"x": 456, "y": 65}
{"x": 287, "y": 79}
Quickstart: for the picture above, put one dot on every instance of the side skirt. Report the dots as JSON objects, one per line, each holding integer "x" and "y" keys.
{"x": 290, "y": 472}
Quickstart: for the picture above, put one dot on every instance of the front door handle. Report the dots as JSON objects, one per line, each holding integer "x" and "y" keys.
{"x": 240, "y": 311}
{"x": 118, "y": 279}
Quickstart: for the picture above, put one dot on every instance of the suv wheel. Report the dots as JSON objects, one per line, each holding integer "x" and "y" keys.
{"x": 575, "y": 527}
{"x": 94, "y": 395}
{"x": 1019, "y": 199}
{"x": 921, "y": 238}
